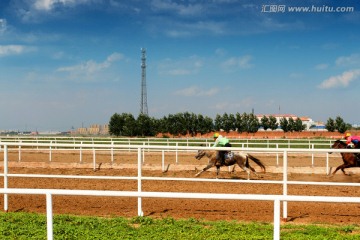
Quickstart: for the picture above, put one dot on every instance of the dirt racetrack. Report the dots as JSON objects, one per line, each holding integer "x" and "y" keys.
{"x": 125, "y": 165}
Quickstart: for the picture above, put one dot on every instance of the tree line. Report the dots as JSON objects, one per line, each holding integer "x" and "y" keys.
{"x": 181, "y": 124}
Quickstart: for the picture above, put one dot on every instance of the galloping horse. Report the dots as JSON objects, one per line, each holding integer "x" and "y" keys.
{"x": 349, "y": 159}
{"x": 241, "y": 159}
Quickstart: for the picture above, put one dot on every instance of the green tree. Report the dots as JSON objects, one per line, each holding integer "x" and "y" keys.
{"x": 116, "y": 124}
{"x": 146, "y": 126}
{"x": 227, "y": 123}
{"x": 218, "y": 123}
{"x": 340, "y": 125}
{"x": 330, "y": 125}
{"x": 232, "y": 121}
{"x": 291, "y": 125}
{"x": 253, "y": 123}
{"x": 130, "y": 126}
{"x": 239, "y": 123}
{"x": 122, "y": 125}
{"x": 245, "y": 122}
{"x": 265, "y": 122}
{"x": 273, "y": 125}
{"x": 175, "y": 124}
{"x": 193, "y": 124}
{"x": 299, "y": 126}
{"x": 205, "y": 124}
{"x": 284, "y": 124}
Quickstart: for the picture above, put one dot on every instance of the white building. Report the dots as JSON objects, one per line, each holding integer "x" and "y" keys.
{"x": 308, "y": 122}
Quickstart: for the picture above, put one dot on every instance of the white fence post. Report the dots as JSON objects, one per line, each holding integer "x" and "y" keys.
{"x": 312, "y": 156}
{"x": 176, "y": 153}
{"x": 327, "y": 164}
{"x": 143, "y": 153}
{"x": 49, "y": 216}
{"x": 112, "y": 152}
{"x": 19, "y": 159}
{"x": 140, "y": 212}
{"x": 81, "y": 152}
{"x": 285, "y": 163}
{"x": 50, "y": 153}
{"x": 163, "y": 160}
{"x": 276, "y": 233}
{"x": 94, "y": 158}
{"x": 277, "y": 156}
{"x": 6, "y": 205}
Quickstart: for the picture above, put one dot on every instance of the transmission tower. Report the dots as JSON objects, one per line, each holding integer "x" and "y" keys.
{"x": 143, "y": 104}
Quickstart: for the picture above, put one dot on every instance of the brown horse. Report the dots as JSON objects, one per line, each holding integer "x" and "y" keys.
{"x": 241, "y": 159}
{"x": 350, "y": 160}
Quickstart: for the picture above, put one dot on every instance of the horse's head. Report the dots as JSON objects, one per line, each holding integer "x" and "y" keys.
{"x": 200, "y": 154}
{"x": 338, "y": 144}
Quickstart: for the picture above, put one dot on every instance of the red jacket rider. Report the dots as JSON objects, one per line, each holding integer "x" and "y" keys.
{"x": 352, "y": 139}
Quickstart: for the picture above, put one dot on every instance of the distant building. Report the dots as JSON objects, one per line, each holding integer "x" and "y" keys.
{"x": 94, "y": 129}
{"x": 308, "y": 122}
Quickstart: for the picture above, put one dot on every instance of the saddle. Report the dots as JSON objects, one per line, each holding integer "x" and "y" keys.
{"x": 229, "y": 156}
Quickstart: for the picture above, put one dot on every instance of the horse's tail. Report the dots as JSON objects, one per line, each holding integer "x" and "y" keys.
{"x": 257, "y": 161}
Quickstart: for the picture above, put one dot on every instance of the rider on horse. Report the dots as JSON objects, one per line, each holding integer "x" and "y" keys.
{"x": 221, "y": 141}
{"x": 355, "y": 140}
{"x": 352, "y": 139}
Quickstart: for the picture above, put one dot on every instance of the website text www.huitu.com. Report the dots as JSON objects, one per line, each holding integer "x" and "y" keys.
{"x": 308, "y": 9}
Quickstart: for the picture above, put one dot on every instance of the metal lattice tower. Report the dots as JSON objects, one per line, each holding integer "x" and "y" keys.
{"x": 143, "y": 104}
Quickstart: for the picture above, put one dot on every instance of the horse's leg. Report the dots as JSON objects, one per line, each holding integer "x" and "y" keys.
{"x": 347, "y": 166}
{"x": 210, "y": 165}
{"x": 248, "y": 173}
{"x": 251, "y": 169}
{"x": 342, "y": 167}
{"x": 217, "y": 171}
{"x": 337, "y": 169}
{"x": 242, "y": 166}
{"x": 254, "y": 172}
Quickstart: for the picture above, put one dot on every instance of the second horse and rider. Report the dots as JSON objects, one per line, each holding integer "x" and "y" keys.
{"x": 221, "y": 141}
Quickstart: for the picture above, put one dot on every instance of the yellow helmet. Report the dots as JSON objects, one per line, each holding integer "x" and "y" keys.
{"x": 347, "y": 135}
{"x": 216, "y": 135}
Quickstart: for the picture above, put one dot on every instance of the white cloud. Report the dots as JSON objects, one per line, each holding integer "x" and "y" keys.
{"x": 47, "y": 5}
{"x": 295, "y": 75}
{"x": 235, "y": 63}
{"x": 3, "y": 25}
{"x": 91, "y": 66}
{"x": 231, "y": 106}
{"x": 342, "y": 80}
{"x": 220, "y": 52}
{"x": 181, "y": 9}
{"x": 196, "y": 91}
{"x": 6, "y": 50}
{"x": 321, "y": 66}
{"x": 353, "y": 59}
{"x": 185, "y": 66}
{"x": 177, "y": 29}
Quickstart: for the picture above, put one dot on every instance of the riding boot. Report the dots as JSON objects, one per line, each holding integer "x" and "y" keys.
{"x": 222, "y": 155}
{"x": 218, "y": 159}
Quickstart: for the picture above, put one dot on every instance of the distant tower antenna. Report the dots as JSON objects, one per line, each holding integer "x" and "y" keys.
{"x": 143, "y": 105}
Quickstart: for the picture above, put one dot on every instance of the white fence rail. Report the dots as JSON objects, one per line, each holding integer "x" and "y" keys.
{"x": 284, "y": 198}
{"x": 275, "y": 198}
{"x": 237, "y": 142}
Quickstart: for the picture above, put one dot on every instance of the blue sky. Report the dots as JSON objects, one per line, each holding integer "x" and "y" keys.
{"x": 72, "y": 63}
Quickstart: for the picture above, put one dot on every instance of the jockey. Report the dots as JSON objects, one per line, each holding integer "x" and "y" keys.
{"x": 221, "y": 141}
{"x": 352, "y": 139}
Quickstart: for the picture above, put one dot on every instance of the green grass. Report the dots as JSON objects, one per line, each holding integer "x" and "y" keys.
{"x": 33, "y": 226}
